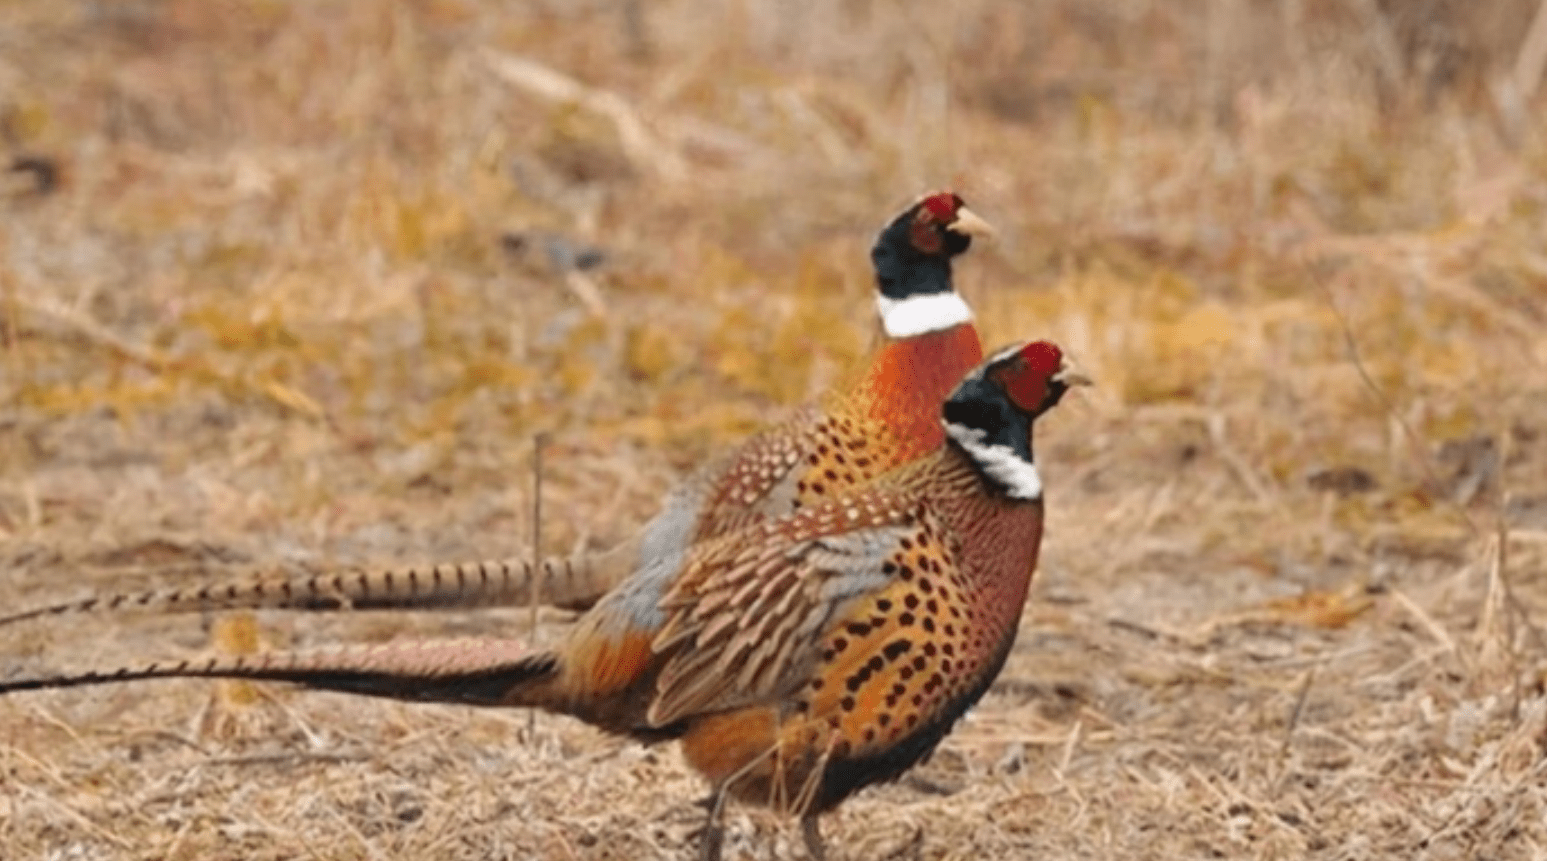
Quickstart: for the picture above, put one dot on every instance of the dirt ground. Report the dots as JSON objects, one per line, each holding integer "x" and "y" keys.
{"x": 288, "y": 286}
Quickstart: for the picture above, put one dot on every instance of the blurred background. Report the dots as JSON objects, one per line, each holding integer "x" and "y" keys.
{"x": 290, "y": 285}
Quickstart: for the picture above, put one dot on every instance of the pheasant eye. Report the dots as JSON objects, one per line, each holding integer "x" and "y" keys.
{"x": 1026, "y": 388}
{"x": 924, "y": 236}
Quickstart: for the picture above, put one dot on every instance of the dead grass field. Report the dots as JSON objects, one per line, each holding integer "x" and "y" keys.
{"x": 300, "y": 298}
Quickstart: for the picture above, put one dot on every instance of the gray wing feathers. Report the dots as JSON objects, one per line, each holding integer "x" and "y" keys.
{"x": 663, "y": 548}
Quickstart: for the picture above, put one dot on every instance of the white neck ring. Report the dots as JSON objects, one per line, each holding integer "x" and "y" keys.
{"x": 917, "y": 315}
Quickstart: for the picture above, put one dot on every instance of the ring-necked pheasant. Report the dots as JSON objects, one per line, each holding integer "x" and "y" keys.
{"x": 797, "y": 659}
{"x": 886, "y": 419}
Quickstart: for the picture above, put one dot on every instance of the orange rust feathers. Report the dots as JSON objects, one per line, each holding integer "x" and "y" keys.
{"x": 602, "y": 665}
{"x": 906, "y": 383}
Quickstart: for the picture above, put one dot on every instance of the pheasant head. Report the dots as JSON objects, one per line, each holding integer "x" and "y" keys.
{"x": 912, "y": 258}
{"x": 989, "y": 416}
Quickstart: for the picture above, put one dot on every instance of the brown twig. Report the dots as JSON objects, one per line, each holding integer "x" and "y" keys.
{"x": 538, "y": 440}
{"x": 1389, "y": 407}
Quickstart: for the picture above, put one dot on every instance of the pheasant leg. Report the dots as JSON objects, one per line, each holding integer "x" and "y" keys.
{"x": 712, "y": 837}
{"x": 811, "y": 832}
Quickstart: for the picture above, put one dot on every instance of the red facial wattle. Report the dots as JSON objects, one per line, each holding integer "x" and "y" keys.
{"x": 934, "y": 213}
{"x": 1026, "y": 382}
{"x": 942, "y": 207}
{"x": 1043, "y": 357}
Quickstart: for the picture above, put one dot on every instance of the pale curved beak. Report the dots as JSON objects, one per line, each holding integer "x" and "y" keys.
{"x": 1070, "y": 375}
{"x": 969, "y": 224}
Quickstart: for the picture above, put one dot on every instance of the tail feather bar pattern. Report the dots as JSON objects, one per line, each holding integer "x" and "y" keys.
{"x": 453, "y": 585}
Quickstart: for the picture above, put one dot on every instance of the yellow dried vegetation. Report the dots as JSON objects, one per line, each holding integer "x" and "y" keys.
{"x": 289, "y": 285}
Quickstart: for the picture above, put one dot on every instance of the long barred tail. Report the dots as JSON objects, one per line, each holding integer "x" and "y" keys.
{"x": 471, "y": 671}
{"x": 576, "y": 583}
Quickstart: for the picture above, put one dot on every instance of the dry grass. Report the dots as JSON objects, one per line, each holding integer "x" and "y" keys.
{"x": 1294, "y": 572}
